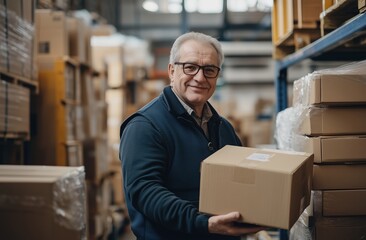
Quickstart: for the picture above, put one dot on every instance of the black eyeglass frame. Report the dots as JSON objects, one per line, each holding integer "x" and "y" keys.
{"x": 198, "y": 69}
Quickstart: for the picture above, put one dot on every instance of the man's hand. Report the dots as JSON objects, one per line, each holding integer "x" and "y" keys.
{"x": 228, "y": 224}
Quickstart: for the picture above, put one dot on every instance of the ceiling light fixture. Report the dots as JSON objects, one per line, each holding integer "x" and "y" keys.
{"x": 150, "y": 6}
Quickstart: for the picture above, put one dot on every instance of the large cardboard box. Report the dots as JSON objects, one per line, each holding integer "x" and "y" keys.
{"x": 330, "y": 89}
{"x": 316, "y": 121}
{"x": 340, "y": 176}
{"x": 335, "y": 203}
{"x": 45, "y": 202}
{"x": 336, "y": 149}
{"x": 268, "y": 187}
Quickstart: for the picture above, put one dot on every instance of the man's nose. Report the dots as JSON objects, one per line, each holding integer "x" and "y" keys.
{"x": 200, "y": 75}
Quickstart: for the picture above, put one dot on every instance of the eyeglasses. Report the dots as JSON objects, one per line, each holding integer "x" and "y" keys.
{"x": 191, "y": 69}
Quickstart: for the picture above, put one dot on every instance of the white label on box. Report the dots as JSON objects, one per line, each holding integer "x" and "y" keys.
{"x": 259, "y": 157}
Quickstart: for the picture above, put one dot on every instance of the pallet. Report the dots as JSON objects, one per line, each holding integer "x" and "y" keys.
{"x": 295, "y": 24}
{"x": 362, "y": 6}
{"x": 16, "y": 79}
{"x": 336, "y": 15}
{"x": 294, "y": 41}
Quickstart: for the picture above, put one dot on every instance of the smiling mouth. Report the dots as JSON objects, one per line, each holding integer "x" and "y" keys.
{"x": 198, "y": 87}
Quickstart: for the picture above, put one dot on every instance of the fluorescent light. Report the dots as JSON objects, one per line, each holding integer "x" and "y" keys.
{"x": 150, "y": 6}
{"x": 175, "y": 7}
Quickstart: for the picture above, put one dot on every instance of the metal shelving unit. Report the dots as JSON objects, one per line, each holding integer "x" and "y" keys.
{"x": 325, "y": 48}
{"x": 328, "y": 48}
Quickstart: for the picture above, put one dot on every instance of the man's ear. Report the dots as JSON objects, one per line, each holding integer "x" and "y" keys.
{"x": 171, "y": 72}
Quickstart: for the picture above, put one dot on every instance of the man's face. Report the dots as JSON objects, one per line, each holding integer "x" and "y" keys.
{"x": 194, "y": 90}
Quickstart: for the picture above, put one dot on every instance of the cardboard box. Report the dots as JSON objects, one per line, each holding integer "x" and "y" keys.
{"x": 332, "y": 121}
{"x": 3, "y": 37}
{"x": 15, "y": 108}
{"x": 336, "y": 149}
{"x": 52, "y": 33}
{"x": 77, "y": 30}
{"x": 344, "y": 203}
{"x": 341, "y": 89}
{"x": 46, "y": 203}
{"x": 268, "y": 187}
{"x": 337, "y": 177}
{"x": 340, "y": 228}
{"x": 15, "y": 37}
{"x": 96, "y": 159}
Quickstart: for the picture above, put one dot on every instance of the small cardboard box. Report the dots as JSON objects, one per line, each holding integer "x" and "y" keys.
{"x": 340, "y": 176}
{"x": 336, "y": 149}
{"x": 268, "y": 187}
{"x": 332, "y": 121}
{"x": 341, "y": 89}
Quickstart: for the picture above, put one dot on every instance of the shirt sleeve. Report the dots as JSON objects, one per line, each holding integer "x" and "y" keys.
{"x": 145, "y": 160}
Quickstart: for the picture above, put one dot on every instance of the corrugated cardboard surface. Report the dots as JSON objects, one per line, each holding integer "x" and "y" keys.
{"x": 340, "y": 228}
{"x": 15, "y": 108}
{"x": 333, "y": 149}
{"x": 52, "y": 33}
{"x": 333, "y": 121}
{"x": 270, "y": 188}
{"x": 344, "y": 203}
{"x": 339, "y": 203}
{"x": 337, "y": 177}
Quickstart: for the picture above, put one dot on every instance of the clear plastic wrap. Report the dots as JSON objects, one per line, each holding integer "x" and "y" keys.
{"x": 343, "y": 85}
{"x": 287, "y": 123}
{"x": 69, "y": 200}
{"x": 54, "y": 197}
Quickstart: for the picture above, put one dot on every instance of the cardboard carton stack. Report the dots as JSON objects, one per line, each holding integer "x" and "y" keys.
{"x": 71, "y": 112}
{"x": 328, "y": 119}
{"x": 14, "y": 109}
{"x": 17, "y": 37}
{"x": 17, "y": 77}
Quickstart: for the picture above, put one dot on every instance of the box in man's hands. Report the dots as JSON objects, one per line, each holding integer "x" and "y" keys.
{"x": 268, "y": 187}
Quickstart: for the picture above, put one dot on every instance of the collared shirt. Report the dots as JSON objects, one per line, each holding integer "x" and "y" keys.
{"x": 201, "y": 121}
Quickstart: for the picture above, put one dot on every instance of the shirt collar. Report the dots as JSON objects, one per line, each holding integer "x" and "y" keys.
{"x": 206, "y": 115}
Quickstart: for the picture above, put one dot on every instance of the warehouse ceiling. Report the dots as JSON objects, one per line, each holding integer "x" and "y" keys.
{"x": 227, "y": 20}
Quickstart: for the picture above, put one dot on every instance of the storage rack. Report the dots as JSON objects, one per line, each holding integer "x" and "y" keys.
{"x": 322, "y": 49}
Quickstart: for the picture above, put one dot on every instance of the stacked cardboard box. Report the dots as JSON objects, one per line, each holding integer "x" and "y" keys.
{"x": 63, "y": 43}
{"x": 17, "y": 37}
{"x": 328, "y": 119}
{"x": 3, "y": 38}
{"x": 44, "y": 202}
{"x": 14, "y": 109}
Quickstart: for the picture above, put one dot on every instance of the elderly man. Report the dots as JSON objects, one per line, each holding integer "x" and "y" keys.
{"x": 163, "y": 145}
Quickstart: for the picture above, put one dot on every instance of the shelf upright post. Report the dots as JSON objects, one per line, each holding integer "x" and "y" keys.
{"x": 281, "y": 87}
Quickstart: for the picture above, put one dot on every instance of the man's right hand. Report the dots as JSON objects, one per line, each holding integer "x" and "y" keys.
{"x": 228, "y": 224}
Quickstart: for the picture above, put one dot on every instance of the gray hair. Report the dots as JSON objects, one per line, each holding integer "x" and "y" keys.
{"x": 174, "y": 52}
